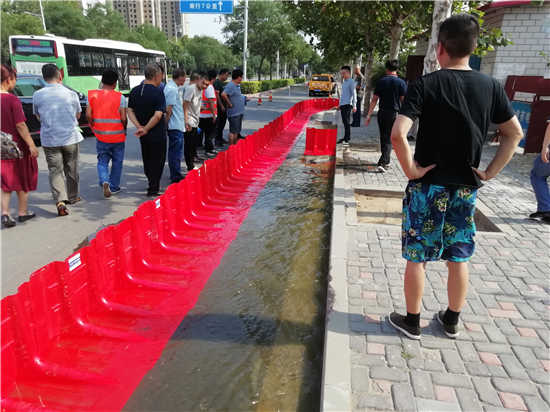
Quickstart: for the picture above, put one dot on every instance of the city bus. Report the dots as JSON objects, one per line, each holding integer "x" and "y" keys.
{"x": 82, "y": 62}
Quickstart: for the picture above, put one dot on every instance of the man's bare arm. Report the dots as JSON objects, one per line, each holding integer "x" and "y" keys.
{"x": 402, "y": 149}
{"x": 168, "y": 113}
{"x": 123, "y": 116}
{"x": 545, "y": 151}
{"x": 133, "y": 118}
{"x": 373, "y": 102}
{"x": 511, "y": 135}
{"x": 227, "y": 100}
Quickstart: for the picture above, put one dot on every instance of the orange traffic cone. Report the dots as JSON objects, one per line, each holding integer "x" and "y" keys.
{"x": 260, "y": 101}
{"x": 270, "y": 96}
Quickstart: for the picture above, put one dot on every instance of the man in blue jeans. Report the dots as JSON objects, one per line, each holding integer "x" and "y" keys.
{"x": 539, "y": 180}
{"x": 106, "y": 113}
{"x": 173, "y": 92}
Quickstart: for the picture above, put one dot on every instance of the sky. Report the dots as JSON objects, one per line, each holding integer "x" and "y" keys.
{"x": 199, "y": 24}
{"x": 205, "y": 25}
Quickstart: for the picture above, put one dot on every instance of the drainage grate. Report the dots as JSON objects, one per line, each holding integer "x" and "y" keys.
{"x": 386, "y": 207}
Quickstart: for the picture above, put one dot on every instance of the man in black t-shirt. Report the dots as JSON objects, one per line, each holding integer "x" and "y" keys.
{"x": 146, "y": 107}
{"x": 390, "y": 90}
{"x": 455, "y": 106}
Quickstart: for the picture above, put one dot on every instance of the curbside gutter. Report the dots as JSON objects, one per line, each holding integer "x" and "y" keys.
{"x": 336, "y": 382}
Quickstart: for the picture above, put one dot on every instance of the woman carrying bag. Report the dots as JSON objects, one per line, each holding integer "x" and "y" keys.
{"x": 19, "y": 167}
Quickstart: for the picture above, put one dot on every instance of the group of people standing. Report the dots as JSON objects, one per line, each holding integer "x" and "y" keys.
{"x": 171, "y": 119}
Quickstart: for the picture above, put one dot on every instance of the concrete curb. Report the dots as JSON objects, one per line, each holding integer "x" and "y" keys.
{"x": 336, "y": 384}
{"x": 266, "y": 92}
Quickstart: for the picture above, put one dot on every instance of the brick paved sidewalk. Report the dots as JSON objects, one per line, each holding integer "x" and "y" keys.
{"x": 501, "y": 360}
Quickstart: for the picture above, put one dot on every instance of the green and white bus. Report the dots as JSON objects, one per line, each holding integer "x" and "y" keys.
{"x": 82, "y": 62}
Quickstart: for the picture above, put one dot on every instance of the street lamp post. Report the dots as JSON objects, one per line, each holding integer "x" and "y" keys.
{"x": 42, "y": 15}
{"x": 245, "y": 46}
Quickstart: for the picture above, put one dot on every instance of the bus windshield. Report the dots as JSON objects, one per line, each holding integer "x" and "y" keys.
{"x": 320, "y": 78}
{"x": 28, "y": 47}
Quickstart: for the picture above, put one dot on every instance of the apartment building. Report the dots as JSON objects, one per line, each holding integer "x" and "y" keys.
{"x": 164, "y": 14}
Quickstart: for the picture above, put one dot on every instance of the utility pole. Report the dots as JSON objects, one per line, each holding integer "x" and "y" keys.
{"x": 245, "y": 46}
{"x": 42, "y": 15}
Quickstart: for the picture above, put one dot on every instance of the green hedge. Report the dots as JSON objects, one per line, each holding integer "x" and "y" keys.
{"x": 252, "y": 87}
{"x": 299, "y": 80}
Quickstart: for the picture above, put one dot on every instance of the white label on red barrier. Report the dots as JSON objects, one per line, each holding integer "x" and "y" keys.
{"x": 74, "y": 262}
{"x": 157, "y": 203}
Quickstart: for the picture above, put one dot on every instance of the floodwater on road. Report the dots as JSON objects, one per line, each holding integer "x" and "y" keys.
{"x": 254, "y": 340}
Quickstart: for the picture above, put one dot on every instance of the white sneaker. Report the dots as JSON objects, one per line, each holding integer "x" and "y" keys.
{"x": 381, "y": 169}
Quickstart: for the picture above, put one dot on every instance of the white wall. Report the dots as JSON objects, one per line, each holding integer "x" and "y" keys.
{"x": 528, "y": 26}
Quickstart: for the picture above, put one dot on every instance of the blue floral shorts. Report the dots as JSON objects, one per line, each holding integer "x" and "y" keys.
{"x": 438, "y": 223}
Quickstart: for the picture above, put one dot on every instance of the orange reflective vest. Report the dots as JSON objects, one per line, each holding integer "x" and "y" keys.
{"x": 204, "y": 107}
{"x": 106, "y": 123}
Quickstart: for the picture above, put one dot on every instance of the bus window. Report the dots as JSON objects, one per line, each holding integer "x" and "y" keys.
{"x": 85, "y": 59}
{"x": 97, "y": 59}
{"x": 133, "y": 65}
{"x": 142, "y": 63}
{"x": 109, "y": 61}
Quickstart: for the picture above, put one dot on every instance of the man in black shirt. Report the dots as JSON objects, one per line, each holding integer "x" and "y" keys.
{"x": 455, "y": 106}
{"x": 390, "y": 90}
{"x": 146, "y": 107}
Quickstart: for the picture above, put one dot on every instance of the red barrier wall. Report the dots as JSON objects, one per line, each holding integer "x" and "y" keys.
{"x": 81, "y": 334}
{"x": 320, "y": 142}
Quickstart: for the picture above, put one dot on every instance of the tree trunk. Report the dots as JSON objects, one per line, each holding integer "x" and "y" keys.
{"x": 260, "y": 68}
{"x": 367, "y": 95}
{"x": 270, "y": 70}
{"x": 396, "y": 35}
{"x": 442, "y": 10}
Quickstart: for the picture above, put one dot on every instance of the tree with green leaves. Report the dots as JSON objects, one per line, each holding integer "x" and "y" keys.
{"x": 269, "y": 30}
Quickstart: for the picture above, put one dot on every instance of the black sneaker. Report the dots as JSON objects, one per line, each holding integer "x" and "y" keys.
{"x": 398, "y": 322}
{"x": 450, "y": 330}
{"x": 539, "y": 215}
{"x": 342, "y": 140}
{"x": 7, "y": 221}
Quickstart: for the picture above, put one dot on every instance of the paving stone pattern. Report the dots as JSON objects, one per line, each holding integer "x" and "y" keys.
{"x": 501, "y": 361}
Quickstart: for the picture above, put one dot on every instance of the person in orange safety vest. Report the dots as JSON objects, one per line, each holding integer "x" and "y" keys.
{"x": 106, "y": 113}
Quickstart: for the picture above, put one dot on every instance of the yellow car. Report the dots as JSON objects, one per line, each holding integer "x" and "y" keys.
{"x": 321, "y": 85}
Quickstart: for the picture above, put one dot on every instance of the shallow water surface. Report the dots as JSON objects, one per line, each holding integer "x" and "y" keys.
{"x": 254, "y": 341}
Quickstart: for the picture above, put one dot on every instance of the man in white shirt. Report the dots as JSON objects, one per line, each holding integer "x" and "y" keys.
{"x": 209, "y": 113}
{"x": 58, "y": 110}
{"x": 191, "y": 110}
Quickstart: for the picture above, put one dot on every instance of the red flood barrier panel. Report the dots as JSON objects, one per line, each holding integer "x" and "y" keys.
{"x": 320, "y": 142}
{"x": 81, "y": 334}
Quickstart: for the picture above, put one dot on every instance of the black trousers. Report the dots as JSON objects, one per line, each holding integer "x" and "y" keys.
{"x": 357, "y": 115}
{"x": 386, "y": 118}
{"x": 153, "y": 153}
{"x": 220, "y": 125}
{"x": 345, "y": 111}
{"x": 189, "y": 147}
{"x": 208, "y": 130}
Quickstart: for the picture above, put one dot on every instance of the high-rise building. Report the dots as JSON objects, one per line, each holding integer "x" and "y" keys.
{"x": 164, "y": 14}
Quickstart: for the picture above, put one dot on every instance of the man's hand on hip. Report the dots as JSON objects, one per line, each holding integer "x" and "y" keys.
{"x": 417, "y": 171}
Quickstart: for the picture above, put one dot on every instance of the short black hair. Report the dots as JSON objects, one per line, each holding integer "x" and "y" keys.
{"x": 50, "y": 71}
{"x": 346, "y": 68}
{"x": 161, "y": 67}
{"x": 458, "y": 34}
{"x": 212, "y": 74}
{"x": 392, "y": 65}
{"x": 177, "y": 73}
{"x": 236, "y": 74}
{"x": 224, "y": 70}
{"x": 109, "y": 77}
{"x": 151, "y": 70}
{"x": 194, "y": 77}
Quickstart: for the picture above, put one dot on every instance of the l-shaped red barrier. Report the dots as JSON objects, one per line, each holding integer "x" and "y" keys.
{"x": 320, "y": 142}
{"x": 81, "y": 334}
